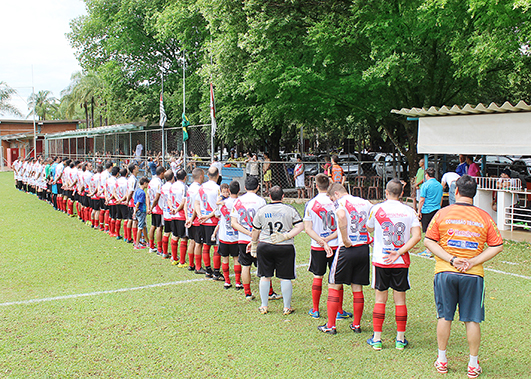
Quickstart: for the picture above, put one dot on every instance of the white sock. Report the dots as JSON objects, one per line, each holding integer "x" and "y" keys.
{"x": 264, "y": 292}
{"x": 400, "y": 336}
{"x": 473, "y": 362}
{"x": 377, "y": 336}
{"x": 287, "y": 290}
{"x": 442, "y": 356}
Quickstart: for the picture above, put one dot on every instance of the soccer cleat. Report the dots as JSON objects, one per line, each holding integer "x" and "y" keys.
{"x": 159, "y": 253}
{"x": 314, "y": 314}
{"x": 400, "y": 345}
{"x": 249, "y": 297}
{"x": 441, "y": 367}
{"x": 191, "y": 268}
{"x": 473, "y": 372}
{"x": 88, "y": 222}
{"x": 218, "y": 276}
{"x": 118, "y": 237}
{"x": 341, "y": 316}
{"x": 209, "y": 273}
{"x": 139, "y": 247}
{"x": 227, "y": 286}
{"x": 152, "y": 250}
{"x": 182, "y": 265}
{"x": 325, "y": 329}
{"x": 376, "y": 345}
{"x": 288, "y": 311}
{"x": 238, "y": 286}
{"x": 263, "y": 310}
{"x": 130, "y": 241}
{"x": 200, "y": 271}
{"x": 165, "y": 256}
{"x": 174, "y": 263}
{"x": 355, "y": 329}
{"x": 275, "y": 296}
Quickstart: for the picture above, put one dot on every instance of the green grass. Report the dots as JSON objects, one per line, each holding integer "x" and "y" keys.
{"x": 197, "y": 329}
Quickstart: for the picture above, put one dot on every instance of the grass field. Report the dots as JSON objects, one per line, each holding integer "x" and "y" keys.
{"x": 189, "y": 327}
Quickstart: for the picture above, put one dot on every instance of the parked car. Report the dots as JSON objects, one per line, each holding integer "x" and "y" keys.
{"x": 350, "y": 165}
{"x": 385, "y": 165}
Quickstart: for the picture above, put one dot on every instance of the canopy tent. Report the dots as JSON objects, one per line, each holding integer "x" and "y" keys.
{"x": 479, "y": 130}
{"x": 123, "y": 128}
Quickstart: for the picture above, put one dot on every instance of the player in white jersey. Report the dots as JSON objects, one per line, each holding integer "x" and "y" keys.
{"x": 154, "y": 208}
{"x": 351, "y": 263}
{"x": 120, "y": 195}
{"x": 87, "y": 175}
{"x": 396, "y": 230}
{"x": 195, "y": 244}
{"x": 164, "y": 201}
{"x": 242, "y": 215}
{"x": 177, "y": 202}
{"x": 104, "y": 208}
{"x": 274, "y": 227}
{"x": 228, "y": 237}
{"x": 205, "y": 204}
{"x": 61, "y": 201}
{"x": 110, "y": 185}
{"x": 79, "y": 189}
{"x": 94, "y": 197}
{"x": 320, "y": 224}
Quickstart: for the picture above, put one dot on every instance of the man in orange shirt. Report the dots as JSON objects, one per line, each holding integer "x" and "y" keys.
{"x": 336, "y": 172}
{"x": 456, "y": 236}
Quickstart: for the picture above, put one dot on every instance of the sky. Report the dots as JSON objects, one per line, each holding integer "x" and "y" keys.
{"x": 33, "y": 34}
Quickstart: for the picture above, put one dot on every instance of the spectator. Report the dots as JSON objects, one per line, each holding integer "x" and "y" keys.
{"x": 449, "y": 179}
{"x": 298, "y": 176}
{"x": 217, "y": 164}
{"x": 327, "y": 165}
{"x": 462, "y": 169}
{"x": 473, "y": 167}
{"x": 266, "y": 169}
{"x": 418, "y": 182}
{"x": 336, "y": 173}
{"x": 430, "y": 198}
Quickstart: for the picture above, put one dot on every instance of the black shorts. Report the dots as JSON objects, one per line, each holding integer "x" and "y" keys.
{"x": 178, "y": 229}
{"x": 112, "y": 211}
{"x": 208, "y": 230}
{"x": 95, "y": 204}
{"x": 426, "y": 219}
{"x": 156, "y": 220}
{"x": 130, "y": 211}
{"x": 276, "y": 259}
{"x": 60, "y": 188}
{"x": 196, "y": 233}
{"x": 319, "y": 261}
{"x": 168, "y": 226}
{"x": 245, "y": 258}
{"x": 396, "y": 278}
{"x": 122, "y": 212}
{"x": 103, "y": 206}
{"x": 350, "y": 266}
{"x": 228, "y": 249}
{"x": 76, "y": 196}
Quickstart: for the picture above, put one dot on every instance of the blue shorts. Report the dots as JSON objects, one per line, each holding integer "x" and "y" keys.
{"x": 141, "y": 218}
{"x": 452, "y": 288}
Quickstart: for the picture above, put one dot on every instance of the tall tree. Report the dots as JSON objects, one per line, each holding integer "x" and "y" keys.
{"x": 42, "y": 103}
{"x": 6, "y": 93}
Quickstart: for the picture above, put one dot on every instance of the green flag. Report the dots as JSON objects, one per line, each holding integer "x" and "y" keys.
{"x": 185, "y": 124}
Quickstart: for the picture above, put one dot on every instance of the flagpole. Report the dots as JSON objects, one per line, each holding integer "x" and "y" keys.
{"x": 161, "y": 99}
{"x": 185, "y": 150}
{"x": 212, "y": 130}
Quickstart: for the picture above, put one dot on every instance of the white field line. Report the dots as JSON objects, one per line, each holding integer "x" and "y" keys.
{"x": 96, "y": 293}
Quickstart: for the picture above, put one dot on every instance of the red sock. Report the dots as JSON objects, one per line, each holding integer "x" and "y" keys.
{"x": 226, "y": 274}
{"x": 217, "y": 258}
{"x": 78, "y": 208}
{"x": 118, "y": 225}
{"x": 358, "y": 302}
{"x": 206, "y": 255}
{"x": 107, "y": 221}
{"x": 102, "y": 219}
{"x": 378, "y": 316}
{"x": 126, "y": 231}
{"x": 401, "y": 317}
{"x": 247, "y": 289}
{"x": 97, "y": 222}
{"x": 70, "y": 207}
{"x": 151, "y": 244}
{"x": 317, "y": 289}
{"x": 159, "y": 246}
{"x": 182, "y": 248}
{"x": 174, "y": 248}
{"x": 165, "y": 240}
{"x": 238, "y": 274}
{"x": 197, "y": 261}
{"x": 271, "y": 288}
{"x": 332, "y": 306}
{"x": 111, "y": 226}
{"x": 134, "y": 232}
{"x": 340, "y": 309}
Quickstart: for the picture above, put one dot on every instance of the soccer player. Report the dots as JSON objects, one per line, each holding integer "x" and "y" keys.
{"x": 206, "y": 208}
{"x": 320, "y": 224}
{"x": 104, "y": 209}
{"x": 132, "y": 185}
{"x": 298, "y": 176}
{"x": 396, "y": 230}
{"x": 192, "y": 222}
{"x": 94, "y": 198}
{"x": 87, "y": 175}
{"x": 155, "y": 211}
{"x": 178, "y": 210}
{"x": 275, "y": 225}
{"x": 351, "y": 263}
{"x": 164, "y": 202}
{"x": 110, "y": 185}
{"x": 120, "y": 195}
{"x": 336, "y": 172}
{"x": 456, "y": 236}
{"x": 228, "y": 238}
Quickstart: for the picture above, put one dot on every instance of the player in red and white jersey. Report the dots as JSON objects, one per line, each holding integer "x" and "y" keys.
{"x": 320, "y": 224}
{"x": 130, "y": 227}
{"x": 242, "y": 215}
{"x": 396, "y": 230}
{"x": 110, "y": 185}
{"x": 94, "y": 197}
{"x": 228, "y": 237}
{"x": 104, "y": 208}
{"x": 58, "y": 179}
{"x": 164, "y": 201}
{"x": 351, "y": 263}
{"x": 87, "y": 175}
{"x": 120, "y": 195}
{"x": 195, "y": 244}
{"x": 153, "y": 208}
{"x": 177, "y": 203}
{"x": 205, "y": 204}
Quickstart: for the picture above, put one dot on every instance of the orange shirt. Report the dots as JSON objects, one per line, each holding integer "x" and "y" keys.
{"x": 462, "y": 230}
{"x": 336, "y": 173}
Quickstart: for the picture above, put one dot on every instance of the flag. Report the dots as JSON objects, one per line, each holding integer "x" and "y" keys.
{"x": 185, "y": 124}
{"x": 213, "y": 110}
{"x": 163, "y": 117}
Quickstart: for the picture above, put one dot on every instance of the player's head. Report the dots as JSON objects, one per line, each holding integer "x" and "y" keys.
{"x": 132, "y": 167}
{"x": 123, "y": 172}
{"x": 224, "y": 189}
{"x": 234, "y": 187}
{"x": 143, "y": 182}
{"x": 251, "y": 183}
{"x": 181, "y": 174}
{"x": 198, "y": 175}
{"x": 115, "y": 171}
{"x": 276, "y": 193}
{"x": 84, "y": 167}
{"x": 160, "y": 172}
{"x": 99, "y": 169}
{"x": 466, "y": 186}
{"x": 213, "y": 173}
{"x": 394, "y": 189}
{"x": 108, "y": 165}
{"x": 430, "y": 172}
{"x": 335, "y": 191}
{"x": 299, "y": 158}
{"x": 322, "y": 182}
{"x": 168, "y": 176}
{"x": 335, "y": 159}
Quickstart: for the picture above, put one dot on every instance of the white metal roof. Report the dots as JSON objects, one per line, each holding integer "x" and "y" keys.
{"x": 455, "y": 110}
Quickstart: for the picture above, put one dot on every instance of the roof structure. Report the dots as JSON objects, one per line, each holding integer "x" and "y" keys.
{"x": 468, "y": 109}
{"x": 122, "y": 128}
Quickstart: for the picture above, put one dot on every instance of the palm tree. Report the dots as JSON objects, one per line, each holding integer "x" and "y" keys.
{"x": 43, "y": 103}
{"x": 83, "y": 90}
{"x": 6, "y": 93}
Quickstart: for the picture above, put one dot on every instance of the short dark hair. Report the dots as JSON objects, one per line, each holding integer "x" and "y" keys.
{"x": 123, "y": 172}
{"x": 467, "y": 186}
{"x": 322, "y": 181}
{"x": 99, "y": 168}
{"x": 394, "y": 187}
{"x": 181, "y": 174}
{"x": 108, "y": 165}
{"x": 115, "y": 170}
{"x": 234, "y": 187}
{"x": 131, "y": 167}
{"x": 335, "y": 158}
{"x": 223, "y": 186}
{"x": 336, "y": 187}
{"x": 430, "y": 171}
{"x": 276, "y": 193}
{"x": 251, "y": 183}
{"x": 160, "y": 170}
{"x": 143, "y": 180}
{"x": 168, "y": 175}
{"x": 197, "y": 173}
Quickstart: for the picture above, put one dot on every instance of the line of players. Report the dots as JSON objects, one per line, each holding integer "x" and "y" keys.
{"x": 190, "y": 220}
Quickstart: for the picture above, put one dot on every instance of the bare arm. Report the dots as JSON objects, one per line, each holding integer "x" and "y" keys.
{"x": 237, "y": 226}
{"x": 416, "y": 234}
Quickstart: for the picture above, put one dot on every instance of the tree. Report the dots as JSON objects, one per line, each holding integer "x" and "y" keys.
{"x": 42, "y": 103}
{"x": 6, "y": 93}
